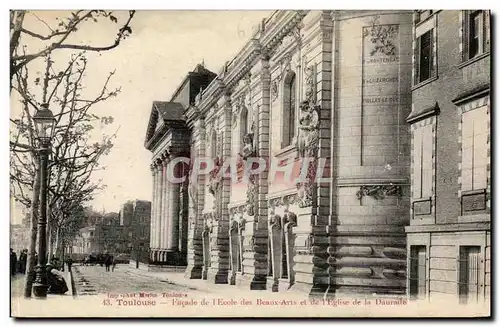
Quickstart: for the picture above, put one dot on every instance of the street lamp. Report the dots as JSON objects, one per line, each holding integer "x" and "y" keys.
{"x": 44, "y": 123}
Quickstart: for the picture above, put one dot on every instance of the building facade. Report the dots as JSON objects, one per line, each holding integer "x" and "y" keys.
{"x": 449, "y": 236}
{"x": 123, "y": 232}
{"x": 308, "y": 85}
{"x": 135, "y": 218}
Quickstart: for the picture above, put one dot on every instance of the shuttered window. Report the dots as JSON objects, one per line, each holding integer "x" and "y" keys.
{"x": 418, "y": 272}
{"x": 476, "y": 33}
{"x": 469, "y": 265}
{"x": 422, "y": 162}
{"x": 424, "y": 57}
{"x": 474, "y": 149}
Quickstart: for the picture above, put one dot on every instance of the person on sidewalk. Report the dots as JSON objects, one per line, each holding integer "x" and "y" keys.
{"x": 69, "y": 262}
{"x": 13, "y": 262}
{"x": 55, "y": 279}
{"x": 23, "y": 259}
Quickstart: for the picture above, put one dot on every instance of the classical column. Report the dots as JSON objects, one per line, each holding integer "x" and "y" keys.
{"x": 165, "y": 227}
{"x": 173, "y": 197}
{"x": 159, "y": 220}
{"x": 152, "y": 244}
{"x": 157, "y": 212}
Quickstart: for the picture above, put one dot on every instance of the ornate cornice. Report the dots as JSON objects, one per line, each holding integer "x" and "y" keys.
{"x": 279, "y": 28}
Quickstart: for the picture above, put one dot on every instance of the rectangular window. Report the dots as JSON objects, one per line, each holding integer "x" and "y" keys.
{"x": 469, "y": 265}
{"x": 476, "y": 28}
{"x": 418, "y": 272}
{"x": 475, "y": 34}
{"x": 474, "y": 149}
{"x": 425, "y": 48}
{"x": 422, "y": 162}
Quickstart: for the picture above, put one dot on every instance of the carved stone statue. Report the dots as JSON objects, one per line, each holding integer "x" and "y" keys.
{"x": 308, "y": 129}
{"x": 248, "y": 147}
{"x": 215, "y": 179}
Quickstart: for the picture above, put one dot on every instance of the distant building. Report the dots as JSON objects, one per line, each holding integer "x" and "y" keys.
{"x": 20, "y": 234}
{"x": 123, "y": 232}
{"x": 19, "y": 237}
{"x": 135, "y": 217}
{"x": 449, "y": 237}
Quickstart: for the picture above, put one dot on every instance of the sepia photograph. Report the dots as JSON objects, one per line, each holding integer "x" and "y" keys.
{"x": 327, "y": 163}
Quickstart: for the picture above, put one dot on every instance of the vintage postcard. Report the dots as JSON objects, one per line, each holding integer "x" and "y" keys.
{"x": 286, "y": 163}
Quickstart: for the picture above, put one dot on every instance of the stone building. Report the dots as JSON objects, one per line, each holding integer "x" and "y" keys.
{"x": 135, "y": 219}
{"x": 449, "y": 236}
{"x": 307, "y": 86}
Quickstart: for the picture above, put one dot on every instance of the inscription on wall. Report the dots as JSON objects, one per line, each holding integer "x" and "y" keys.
{"x": 380, "y": 94}
{"x": 473, "y": 202}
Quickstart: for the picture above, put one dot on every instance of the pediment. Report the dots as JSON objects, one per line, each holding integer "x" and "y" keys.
{"x": 164, "y": 115}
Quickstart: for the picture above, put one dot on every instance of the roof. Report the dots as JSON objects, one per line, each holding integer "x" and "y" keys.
{"x": 169, "y": 110}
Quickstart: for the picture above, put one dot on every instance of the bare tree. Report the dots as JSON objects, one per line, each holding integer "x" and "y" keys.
{"x": 59, "y": 36}
{"x": 74, "y": 156}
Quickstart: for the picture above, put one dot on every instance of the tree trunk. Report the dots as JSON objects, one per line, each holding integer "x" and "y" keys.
{"x": 50, "y": 242}
{"x": 58, "y": 242}
{"x": 31, "y": 263}
{"x": 15, "y": 34}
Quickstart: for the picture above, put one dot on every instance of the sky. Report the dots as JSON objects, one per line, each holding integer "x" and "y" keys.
{"x": 149, "y": 65}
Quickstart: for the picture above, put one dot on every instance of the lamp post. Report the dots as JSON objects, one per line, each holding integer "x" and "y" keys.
{"x": 44, "y": 122}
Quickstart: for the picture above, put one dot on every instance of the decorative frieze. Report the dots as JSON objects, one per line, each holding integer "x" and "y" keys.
{"x": 379, "y": 192}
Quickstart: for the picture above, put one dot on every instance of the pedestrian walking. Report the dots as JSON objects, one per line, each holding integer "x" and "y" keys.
{"x": 107, "y": 262}
{"x": 69, "y": 262}
{"x": 13, "y": 262}
{"x": 23, "y": 259}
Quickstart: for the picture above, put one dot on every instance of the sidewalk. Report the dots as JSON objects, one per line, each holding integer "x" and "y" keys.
{"x": 205, "y": 286}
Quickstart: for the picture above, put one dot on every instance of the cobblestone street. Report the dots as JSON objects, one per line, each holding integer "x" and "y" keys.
{"x": 90, "y": 280}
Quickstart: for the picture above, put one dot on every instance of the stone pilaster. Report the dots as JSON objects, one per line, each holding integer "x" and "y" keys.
{"x": 219, "y": 237}
{"x": 310, "y": 269}
{"x": 196, "y": 191}
{"x": 255, "y": 237}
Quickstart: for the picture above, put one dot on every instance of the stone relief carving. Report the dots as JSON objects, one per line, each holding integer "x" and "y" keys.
{"x": 239, "y": 104}
{"x": 310, "y": 83}
{"x": 382, "y": 37}
{"x": 274, "y": 90}
{"x": 379, "y": 192}
{"x": 308, "y": 147}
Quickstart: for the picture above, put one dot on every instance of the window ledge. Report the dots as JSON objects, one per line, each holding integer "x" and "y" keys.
{"x": 289, "y": 149}
{"x": 427, "y": 81}
{"x": 482, "y": 217}
{"x": 473, "y": 60}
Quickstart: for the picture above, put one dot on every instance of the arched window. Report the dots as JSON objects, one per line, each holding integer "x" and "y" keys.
{"x": 289, "y": 98}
